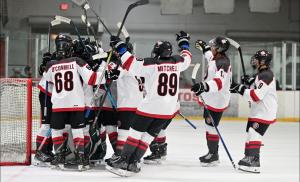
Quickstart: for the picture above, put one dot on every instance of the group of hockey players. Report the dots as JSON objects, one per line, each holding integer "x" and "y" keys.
{"x": 80, "y": 83}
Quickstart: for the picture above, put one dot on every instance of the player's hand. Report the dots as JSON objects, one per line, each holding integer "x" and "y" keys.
{"x": 199, "y": 88}
{"x": 247, "y": 80}
{"x": 202, "y": 46}
{"x": 237, "y": 88}
{"x": 182, "y": 39}
{"x": 112, "y": 74}
{"x": 117, "y": 43}
{"x": 46, "y": 58}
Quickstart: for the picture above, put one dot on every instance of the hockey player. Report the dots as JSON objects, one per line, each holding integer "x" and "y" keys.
{"x": 68, "y": 98}
{"x": 43, "y": 139}
{"x": 159, "y": 105}
{"x": 215, "y": 92}
{"x": 263, "y": 107}
{"x": 130, "y": 94}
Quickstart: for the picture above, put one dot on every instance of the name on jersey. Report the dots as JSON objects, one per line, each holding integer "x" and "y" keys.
{"x": 167, "y": 68}
{"x": 62, "y": 67}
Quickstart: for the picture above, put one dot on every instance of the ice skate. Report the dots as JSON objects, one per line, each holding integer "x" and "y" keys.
{"x": 250, "y": 164}
{"x": 42, "y": 159}
{"x": 209, "y": 160}
{"x": 119, "y": 167}
{"x": 58, "y": 161}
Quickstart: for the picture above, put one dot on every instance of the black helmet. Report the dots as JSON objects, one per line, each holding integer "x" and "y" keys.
{"x": 63, "y": 46}
{"x": 221, "y": 43}
{"x": 264, "y": 57}
{"x": 162, "y": 49}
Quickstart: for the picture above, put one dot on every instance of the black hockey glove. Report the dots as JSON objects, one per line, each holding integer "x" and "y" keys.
{"x": 46, "y": 58}
{"x": 112, "y": 74}
{"x": 117, "y": 43}
{"x": 247, "y": 80}
{"x": 202, "y": 46}
{"x": 182, "y": 39}
{"x": 237, "y": 88}
{"x": 199, "y": 88}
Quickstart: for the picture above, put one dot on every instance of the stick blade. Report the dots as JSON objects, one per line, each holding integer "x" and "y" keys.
{"x": 233, "y": 42}
{"x": 194, "y": 73}
{"x": 79, "y": 2}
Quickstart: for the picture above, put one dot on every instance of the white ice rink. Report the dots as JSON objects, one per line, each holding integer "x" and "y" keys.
{"x": 279, "y": 159}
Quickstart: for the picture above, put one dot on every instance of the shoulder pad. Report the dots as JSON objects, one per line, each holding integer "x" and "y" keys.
{"x": 177, "y": 58}
{"x": 50, "y": 63}
{"x": 222, "y": 63}
{"x": 266, "y": 76}
{"x": 150, "y": 61}
{"x": 79, "y": 61}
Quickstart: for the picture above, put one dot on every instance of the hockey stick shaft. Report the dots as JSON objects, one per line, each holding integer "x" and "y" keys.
{"x": 188, "y": 121}
{"x": 194, "y": 74}
{"x": 130, "y": 7}
{"x": 238, "y": 47}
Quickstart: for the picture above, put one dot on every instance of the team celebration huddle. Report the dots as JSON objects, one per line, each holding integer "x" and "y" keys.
{"x": 88, "y": 94}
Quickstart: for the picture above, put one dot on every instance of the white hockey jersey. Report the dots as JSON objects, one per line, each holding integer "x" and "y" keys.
{"x": 218, "y": 77}
{"x": 263, "y": 98}
{"x": 42, "y": 85}
{"x": 161, "y": 82}
{"x": 89, "y": 90}
{"x": 130, "y": 91}
{"x": 67, "y": 94}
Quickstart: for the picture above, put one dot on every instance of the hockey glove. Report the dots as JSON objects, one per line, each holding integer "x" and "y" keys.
{"x": 117, "y": 43}
{"x": 46, "y": 58}
{"x": 182, "y": 39}
{"x": 202, "y": 46}
{"x": 237, "y": 88}
{"x": 112, "y": 74}
{"x": 199, "y": 88}
{"x": 247, "y": 80}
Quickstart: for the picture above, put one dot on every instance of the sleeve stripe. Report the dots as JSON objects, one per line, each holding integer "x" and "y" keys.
{"x": 92, "y": 79}
{"x": 186, "y": 52}
{"x": 126, "y": 65}
{"x": 218, "y": 82}
{"x": 253, "y": 96}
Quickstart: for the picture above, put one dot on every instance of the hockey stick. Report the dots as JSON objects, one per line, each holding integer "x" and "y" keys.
{"x": 188, "y": 121}
{"x": 84, "y": 4}
{"x": 124, "y": 32}
{"x": 130, "y": 7}
{"x": 194, "y": 74}
{"x": 238, "y": 47}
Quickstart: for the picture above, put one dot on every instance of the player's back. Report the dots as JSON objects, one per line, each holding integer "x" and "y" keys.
{"x": 162, "y": 85}
{"x": 68, "y": 92}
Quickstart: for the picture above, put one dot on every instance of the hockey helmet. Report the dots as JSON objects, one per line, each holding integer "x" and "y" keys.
{"x": 63, "y": 46}
{"x": 263, "y": 56}
{"x": 220, "y": 43}
{"x": 162, "y": 49}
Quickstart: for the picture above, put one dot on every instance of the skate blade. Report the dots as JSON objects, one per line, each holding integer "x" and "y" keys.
{"x": 249, "y": 169}
{"x": 119, "y": 172}
{"x": 97, "y": 162}
{"x": 40, "y": 164}
{"x": 153, "y": 162}
{"x": 58, "y": 167}
{"x": 211, "y": 164}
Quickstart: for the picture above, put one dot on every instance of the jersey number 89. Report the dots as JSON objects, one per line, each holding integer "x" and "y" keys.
{"x": 167, "y": 84}
{"x": 65, "y": 82}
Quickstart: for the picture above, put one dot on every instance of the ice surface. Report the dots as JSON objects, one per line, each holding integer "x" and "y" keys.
{"x": 279, "y": 159}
